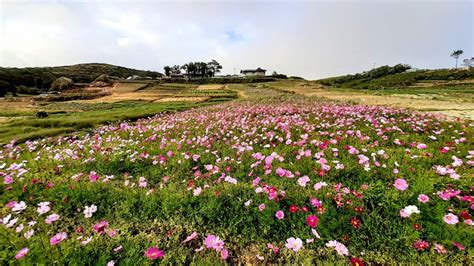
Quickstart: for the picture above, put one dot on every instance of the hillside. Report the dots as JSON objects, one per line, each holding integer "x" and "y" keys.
{"x": 42, "y": 77}
{"x": 399, "y": 76}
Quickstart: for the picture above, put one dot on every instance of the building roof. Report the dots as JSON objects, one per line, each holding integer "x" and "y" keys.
{"x": 252, "y": 70}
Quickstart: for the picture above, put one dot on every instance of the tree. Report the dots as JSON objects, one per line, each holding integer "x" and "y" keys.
{"x": 167, "y": 70}
{"x": 456, "y": 54}
{"x": 468, "y": 62}
{"x": 214, "y": 67}
{"x": 176, "y": 69}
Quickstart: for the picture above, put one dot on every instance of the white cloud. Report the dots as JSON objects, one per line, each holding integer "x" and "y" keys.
{"x": 311, "y": 39}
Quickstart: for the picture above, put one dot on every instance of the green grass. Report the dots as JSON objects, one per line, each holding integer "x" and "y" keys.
{"x": 92, "y": 115}
{"x": 165, "y": 212}
{"x": 399, "y": 80}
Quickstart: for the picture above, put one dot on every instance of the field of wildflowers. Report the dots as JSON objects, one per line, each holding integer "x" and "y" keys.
{"x": 278, "y": 180}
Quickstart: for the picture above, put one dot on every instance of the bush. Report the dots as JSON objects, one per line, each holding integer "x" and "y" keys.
{"x": 27, "y": 90}
{"x": 5, "y": 87}
{"x": 101, "y": 81}
{"x": 61, "y": 83}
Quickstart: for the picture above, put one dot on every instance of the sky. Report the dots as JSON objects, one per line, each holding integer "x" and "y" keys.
{"x": 312, "y": 39}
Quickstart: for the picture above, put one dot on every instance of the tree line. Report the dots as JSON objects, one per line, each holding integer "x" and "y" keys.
{"x": 195, "y": 69}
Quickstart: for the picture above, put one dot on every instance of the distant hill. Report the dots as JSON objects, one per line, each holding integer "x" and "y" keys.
{"x": 398, "y": 76}
{"x": 42, "y": 77}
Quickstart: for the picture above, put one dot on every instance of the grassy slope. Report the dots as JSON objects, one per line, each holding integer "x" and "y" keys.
{"x": 166, "y": 216}
{"x": 400, "y": 80}
{"x": 67, "y": 117}
{"x": 42, "y": 77}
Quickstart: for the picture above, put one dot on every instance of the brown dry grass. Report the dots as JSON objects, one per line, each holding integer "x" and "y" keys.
{"x": 183, "y": 99}
{"x": 210, "y": 87}
{"x": 456, "y": 108}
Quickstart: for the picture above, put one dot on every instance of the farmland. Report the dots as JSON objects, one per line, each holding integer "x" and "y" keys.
{"x": 123, "y": 101}
{"x": 281, "y": 175}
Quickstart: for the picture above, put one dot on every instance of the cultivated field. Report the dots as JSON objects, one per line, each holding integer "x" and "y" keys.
{"x": 452, "y": 101}
{"x": 280, "y": 175}
{"x": 122, "y": 101}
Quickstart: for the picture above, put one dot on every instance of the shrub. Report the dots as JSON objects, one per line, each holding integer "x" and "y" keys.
{"x": 61, "y": 83}
{"x": 27, "y": 90}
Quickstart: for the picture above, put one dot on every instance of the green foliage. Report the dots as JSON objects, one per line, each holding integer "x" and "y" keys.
{"x": 61, "y": 83}
{"x": 5, "y": 87}
{"x": 27, "y": 90}
{"x": 395, "y": 77}
{"x": 43, "y": 77}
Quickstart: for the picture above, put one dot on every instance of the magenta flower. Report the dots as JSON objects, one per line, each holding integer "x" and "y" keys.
{"x": 154, "y": 253}
{"x": 261, "y": 207}
{"x": 400, "y": 184}
{"x": 459, "y": 246}
{"x": 101, "y": 226}
{"x": 421, "y": 245}
{"x": 58, "y": 238}
{"x": 280, "y": 215}
{"x": 22, "y": 253}
{"x": 7, "y": 180}
{"x": 312, "y": 221}
{"x": 450, "y": 219}
{"x": 93, "y": 176}
{"x": 315, "y": 202}
{"x": 423, "y": 198}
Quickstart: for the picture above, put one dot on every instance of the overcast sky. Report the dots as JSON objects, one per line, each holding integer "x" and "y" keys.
{"x": 313, "y": 39}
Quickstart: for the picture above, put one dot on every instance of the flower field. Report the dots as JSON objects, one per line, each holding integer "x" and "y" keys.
{"x": 286, "y": 179}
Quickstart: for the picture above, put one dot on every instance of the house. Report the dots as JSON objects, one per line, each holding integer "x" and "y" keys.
{"x": 133, "y": 77}
{"x": 253, "y": 72}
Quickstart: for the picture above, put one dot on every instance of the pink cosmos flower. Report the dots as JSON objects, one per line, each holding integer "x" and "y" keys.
{"x": 421, "y": 245}
{"x": 280, "y": 172}
{"x": 22, "y": 253}
{"x": 448, "y": 194}
{"x": 319, "y": 185}
{"x": 312, "y": 221}
{"x": 302, "y": 181}
{"x": 279, "y": 214}
{"x": 101, "y": 226}
{"x": 224, "y": 254}
{"x": 459, "y": 246}
{"x": 421, "y": 146}
{"x": 214, "y": 242}
{"x": 58, "y": 238}
{"x": 294, "y": 244}
{"x": 400, "y": 184}
{"x": 197, "y": 191}
{"x": 142, "y": 182}
{"x": 190, "y": 237}
{"x": 423, "y": 198}
{"x": 43, "y": 207}
{"x": 11, "y": 204}
{"x": 154, "y": 253}
{"x": 18, "y": 207}
{"x": 52, "y": 218}
{"x": 340, "y": 248}
{"x": 315, "y": 202}
{"x": 440, "y": 249}
{"x": 450, "y": 219}
{"x": 93, "y": 176}
{"x": 7, "y": 180}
